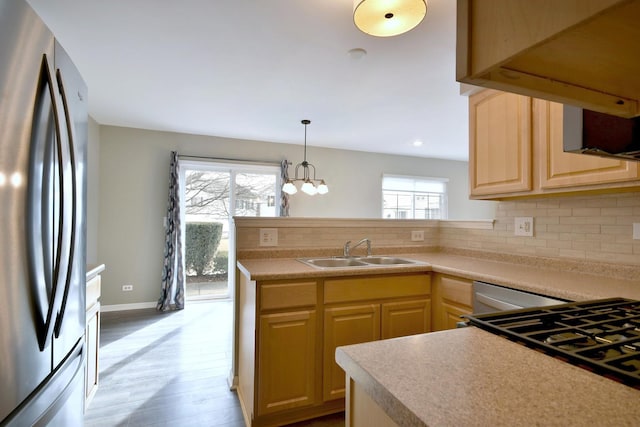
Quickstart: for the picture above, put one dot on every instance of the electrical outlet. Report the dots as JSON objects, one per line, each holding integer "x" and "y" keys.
{"x": 268, "y": 237}
{"x": 636, "y": 231}
{"x": 524, "y": 226}
{"x": 127, "y": 288}
{"x": 417, "y": 236}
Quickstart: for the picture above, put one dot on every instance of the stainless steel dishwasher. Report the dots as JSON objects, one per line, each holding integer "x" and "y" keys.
{"x": 490, "y": 298}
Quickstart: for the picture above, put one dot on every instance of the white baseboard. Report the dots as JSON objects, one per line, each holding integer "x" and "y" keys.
{"x": 124, "y": 307}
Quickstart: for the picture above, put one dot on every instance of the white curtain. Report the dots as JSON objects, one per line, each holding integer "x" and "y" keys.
{"x": 172, "y": 294}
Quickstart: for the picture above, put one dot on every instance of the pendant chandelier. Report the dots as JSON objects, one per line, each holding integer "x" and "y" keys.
{"x": 308, "y": 184}
{"x": 385, "y": 18}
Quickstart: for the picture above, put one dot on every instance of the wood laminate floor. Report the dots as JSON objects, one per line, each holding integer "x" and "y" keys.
{"x": 170, "y": 369}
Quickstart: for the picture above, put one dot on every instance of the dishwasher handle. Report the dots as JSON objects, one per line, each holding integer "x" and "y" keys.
{"x": 494, "y": 303}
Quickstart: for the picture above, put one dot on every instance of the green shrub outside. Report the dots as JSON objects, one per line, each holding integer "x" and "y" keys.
{"x": 201, "y": 242}
{"x": 221, "y": 262}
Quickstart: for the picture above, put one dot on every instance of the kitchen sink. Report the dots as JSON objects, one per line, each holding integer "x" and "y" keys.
{"x": 384, "y": 260}
{"x": 333, "y": 262}
{"x": 342, "y": 262}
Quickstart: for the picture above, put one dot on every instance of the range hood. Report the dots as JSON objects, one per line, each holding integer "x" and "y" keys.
{"x": 581, "y": 53}
{"x": 599, "y": 134}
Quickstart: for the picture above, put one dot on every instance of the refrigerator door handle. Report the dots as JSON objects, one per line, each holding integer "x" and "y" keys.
{"x": 74, "y": 202}
{"x": 45, "y": 207}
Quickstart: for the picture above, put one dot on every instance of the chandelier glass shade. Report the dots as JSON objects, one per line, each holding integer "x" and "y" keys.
{"x": 386, "y": 18}
{"x": 310, "y": 184}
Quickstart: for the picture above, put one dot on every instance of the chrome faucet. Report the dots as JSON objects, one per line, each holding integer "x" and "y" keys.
{"x": 347, "y": 249}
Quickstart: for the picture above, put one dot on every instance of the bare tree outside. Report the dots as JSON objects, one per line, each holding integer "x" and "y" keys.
{"x": 207, "y": 193}
{"x": 255, "y": 195}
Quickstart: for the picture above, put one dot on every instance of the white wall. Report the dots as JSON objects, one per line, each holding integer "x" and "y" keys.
{"x": 355, "y": 180}
{"x": 134, "y": 187}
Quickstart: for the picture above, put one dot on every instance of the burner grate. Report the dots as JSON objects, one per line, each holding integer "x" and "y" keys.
{"x": 602, "y": 336}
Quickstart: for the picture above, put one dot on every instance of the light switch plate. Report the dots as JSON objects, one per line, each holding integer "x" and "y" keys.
{"x": 417, "y": 236}
{"x": 268, "y": 237}
{"x": 524, "y": 226}
{"x": 636, "y": 231}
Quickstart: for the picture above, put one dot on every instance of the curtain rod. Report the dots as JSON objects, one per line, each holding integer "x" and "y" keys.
{"x": 229, "y": 160}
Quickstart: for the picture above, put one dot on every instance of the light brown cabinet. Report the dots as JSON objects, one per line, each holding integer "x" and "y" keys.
{"x": 452, "y": 297}
{"x": 403, "y": 318}
{"x": 387, "y": 307}
{"x": 499, "y": 143}
{"x": 289, "y": 330}
{"x": 286, "y": 361}
{"x": 558, "y": 169}
{"x": 345, "y": 326}
{"x": 573, "y": 52}
{"x": 515, "y": 150}
{"x": 279, "y": 353}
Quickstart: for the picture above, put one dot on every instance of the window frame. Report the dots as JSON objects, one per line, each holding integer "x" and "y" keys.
{"x": 232, "y": 168}
{"x": 443, "y": 196}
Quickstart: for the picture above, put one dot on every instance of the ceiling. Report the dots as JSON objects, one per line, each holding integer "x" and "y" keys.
{"x": 252, "y": 70}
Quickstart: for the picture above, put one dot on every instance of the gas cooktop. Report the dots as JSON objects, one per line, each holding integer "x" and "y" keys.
{"x": 602, "y": 336}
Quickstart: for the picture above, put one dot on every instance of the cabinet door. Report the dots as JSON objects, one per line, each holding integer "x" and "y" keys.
{"x": 453, "y": 297}
{"x": 286, "y": 361}
{"x": 404, "y": 318}
{"x": 499, "y": 143}
{"x": 92, "y": 341}
{"x": 559, "y": 169}
{"x": 344, "y": 326}
{"x": 451, "y": 315}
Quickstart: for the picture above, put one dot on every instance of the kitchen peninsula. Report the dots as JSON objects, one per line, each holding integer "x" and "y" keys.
{"x": 466, "y": 364}
{"x": 469, "y": 377}
{"x": 292, "y": 317}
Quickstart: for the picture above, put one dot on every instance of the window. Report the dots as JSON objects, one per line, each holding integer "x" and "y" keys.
{"x": 407, "y": 197}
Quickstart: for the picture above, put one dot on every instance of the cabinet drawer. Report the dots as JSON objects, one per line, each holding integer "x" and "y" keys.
{"x": 93, "y": 291}
{"x": 457, "y": 290}
{"x": 377, "y": 287}
{"x": 289, "y": 294}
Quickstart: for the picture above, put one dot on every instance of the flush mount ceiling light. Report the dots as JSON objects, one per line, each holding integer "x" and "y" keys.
{"x": 308, "y": 183}
{"x": 385, "y": 18}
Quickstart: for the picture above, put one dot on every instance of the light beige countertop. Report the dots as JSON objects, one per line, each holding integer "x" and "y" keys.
{"x": 469, "y": 377}
{"x": 93, "y": 270}
{"x": 566, "y": 283}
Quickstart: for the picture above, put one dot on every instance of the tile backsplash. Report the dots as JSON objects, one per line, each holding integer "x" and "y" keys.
{"x": 588, "y": 228}
{"x": 578, "y": 228}
{"x": 316, "y": 233}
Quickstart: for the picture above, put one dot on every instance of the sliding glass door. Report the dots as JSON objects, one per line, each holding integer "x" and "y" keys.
{"x": 213, "y": 193}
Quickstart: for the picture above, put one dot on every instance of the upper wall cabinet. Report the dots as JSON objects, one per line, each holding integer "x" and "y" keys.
{"x": 499, "y": 143}
{"x": 583, "y": 52}
{"x": 558, "y": 169}
{"x": 515, "y": 150}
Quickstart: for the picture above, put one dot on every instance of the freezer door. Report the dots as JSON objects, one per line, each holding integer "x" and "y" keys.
{"x": 24, "y": 40}
{"x": 59, "y": 400}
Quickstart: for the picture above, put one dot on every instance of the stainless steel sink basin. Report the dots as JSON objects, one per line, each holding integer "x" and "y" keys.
{"x": 384, "y": 260}
{"x": 372, "y": 261}
{"x": 333, "y": 262}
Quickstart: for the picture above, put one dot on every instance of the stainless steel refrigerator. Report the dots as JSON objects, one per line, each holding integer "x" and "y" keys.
{"x": 43, "y": 134}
